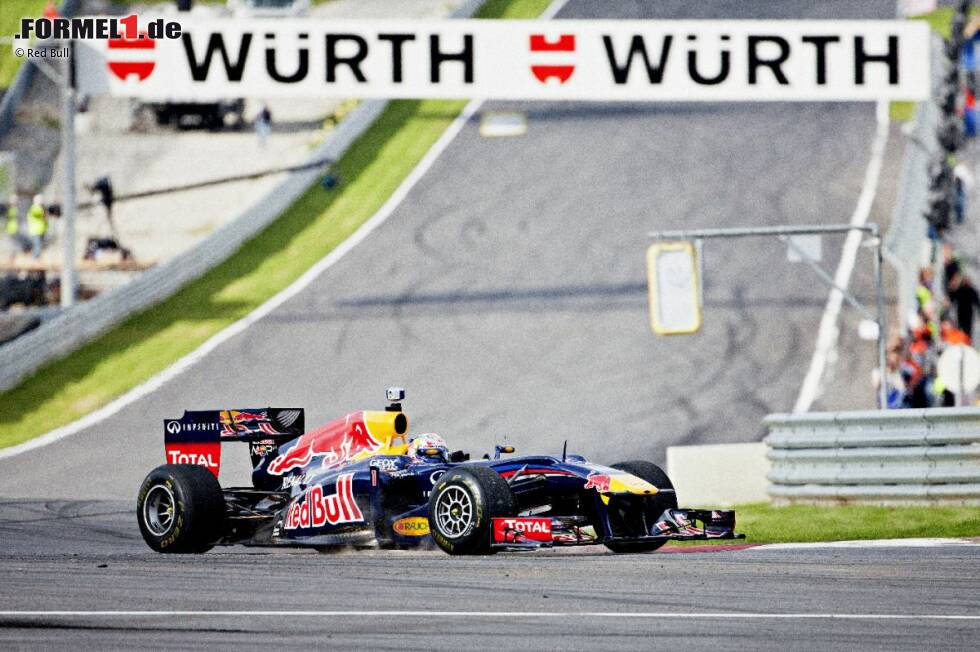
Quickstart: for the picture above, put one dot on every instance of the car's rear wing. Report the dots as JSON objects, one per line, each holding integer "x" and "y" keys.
{"x": 196, "y": 437}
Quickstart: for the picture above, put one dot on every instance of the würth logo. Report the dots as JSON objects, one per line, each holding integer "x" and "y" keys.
{"x": 560, "y": 69}
{"x": 131, "y": 56}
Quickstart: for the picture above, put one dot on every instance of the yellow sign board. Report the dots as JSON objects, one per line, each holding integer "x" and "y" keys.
{"x": 675, "y": 289}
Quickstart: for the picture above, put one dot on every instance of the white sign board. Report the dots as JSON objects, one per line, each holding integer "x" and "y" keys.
{"x": 675, "y": 291}
{"x": 959, "y": 368}
{"x": 917, "y": 7}
{"x": 602, "y": 60}
{"x": 809, "y": 245}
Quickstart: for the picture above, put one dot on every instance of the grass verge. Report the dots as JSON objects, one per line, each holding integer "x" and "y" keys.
{"x": 764, "y": 523}
{"x": 11, "y": 11}
{"x": 148, "y": 342}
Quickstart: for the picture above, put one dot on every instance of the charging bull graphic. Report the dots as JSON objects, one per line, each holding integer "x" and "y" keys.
{"x": 336, "y": 442}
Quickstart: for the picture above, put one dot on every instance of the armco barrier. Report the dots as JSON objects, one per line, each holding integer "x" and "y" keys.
{"x": 72, "y": 328}
{"x": 900, "y": 456}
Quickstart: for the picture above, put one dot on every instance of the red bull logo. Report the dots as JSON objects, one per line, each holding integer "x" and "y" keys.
{"x": 337, "y": 442}
{"x": 235, "y": 422}
{"x": 598, "y": 482}
{"x": 317, "y": 510}
{"x": 238, "y": 417}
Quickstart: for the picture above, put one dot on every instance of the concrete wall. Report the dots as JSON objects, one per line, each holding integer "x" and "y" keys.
{"x": 719, "y": 475}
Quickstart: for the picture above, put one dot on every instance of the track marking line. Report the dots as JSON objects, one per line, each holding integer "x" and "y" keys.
{"x": 873, "y": 543}
{"x": 829, "y": 333}
{"x": 487, "y": 614}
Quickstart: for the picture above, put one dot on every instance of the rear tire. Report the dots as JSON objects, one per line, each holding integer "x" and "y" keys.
{"x": 654, "y": 505}
{"x": 181, "y": 509}
{"x": 462, "y": 507}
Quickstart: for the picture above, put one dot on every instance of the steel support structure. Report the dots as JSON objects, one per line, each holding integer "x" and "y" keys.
{"x": 784, "y": 232}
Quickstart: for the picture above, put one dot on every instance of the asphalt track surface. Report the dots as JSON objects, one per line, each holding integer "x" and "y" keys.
{"x": 507, "y": 293}
{"x": 757, "y": 597}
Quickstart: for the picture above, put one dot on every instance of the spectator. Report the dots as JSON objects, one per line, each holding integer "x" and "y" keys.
{"x": 37, "y": 225}
{"x": 951, "y": 264}
{"x": 952, "y": 335}
{"x": 263, "y": 125}
{"x": 964, "y": 298}
{"x": 924, "y": 291}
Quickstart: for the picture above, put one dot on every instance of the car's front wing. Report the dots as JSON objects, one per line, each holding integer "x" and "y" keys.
{"x": 522, "y": 533}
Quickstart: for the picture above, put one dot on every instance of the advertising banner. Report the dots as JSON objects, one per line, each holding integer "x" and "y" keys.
{"x": 602, "y": 60}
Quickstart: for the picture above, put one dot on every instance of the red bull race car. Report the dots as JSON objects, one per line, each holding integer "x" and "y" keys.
{"x": 362, "y": 481}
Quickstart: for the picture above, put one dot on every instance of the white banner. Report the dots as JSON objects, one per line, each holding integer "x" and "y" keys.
{"x": 622, "y": 60}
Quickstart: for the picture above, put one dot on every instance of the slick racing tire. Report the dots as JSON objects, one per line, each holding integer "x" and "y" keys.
{"x": 180, "y": 509}
{"x": 462, "y": 506}
{"x": 652, "y": 508}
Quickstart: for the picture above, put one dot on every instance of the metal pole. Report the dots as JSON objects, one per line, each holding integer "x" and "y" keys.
{"x": 880, "y": 300}
{"x": 69, "y": 281}
{"x": 752, "y": 231}
{"x": 699, "y": 252}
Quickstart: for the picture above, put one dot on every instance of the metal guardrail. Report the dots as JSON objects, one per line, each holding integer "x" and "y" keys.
{"x": 83, "y": 322}
{"x": 900, "y": 456}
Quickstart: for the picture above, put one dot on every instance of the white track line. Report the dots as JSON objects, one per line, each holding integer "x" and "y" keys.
{"x": 283, "y": 296}
{"x": 488, "y": 614}
{"x": 871, "y": 543}
{"x": 829, "y": 332}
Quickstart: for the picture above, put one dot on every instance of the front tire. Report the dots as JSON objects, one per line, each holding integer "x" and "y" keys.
{"x": 462, "y": 507}
{"x": 653, "y": 506}
{"x": 180, "y": 509}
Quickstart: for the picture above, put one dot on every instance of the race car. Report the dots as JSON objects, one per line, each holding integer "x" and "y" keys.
{"x": 362, "y": 481}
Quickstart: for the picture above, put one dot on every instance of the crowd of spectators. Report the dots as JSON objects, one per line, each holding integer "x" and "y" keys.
{"x": 943, "y": 317}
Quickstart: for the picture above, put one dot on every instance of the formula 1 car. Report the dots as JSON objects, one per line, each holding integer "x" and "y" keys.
{"x": 362, "y": 481}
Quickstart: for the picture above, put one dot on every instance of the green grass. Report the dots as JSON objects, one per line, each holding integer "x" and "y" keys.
{"x": 941, "y": 20}
{"x": 11, "y": 11}
{"x": 511, "y": 9}
{"x": 148, "y": 342}
{"x": 763, "y": 523}
{"x": 902, "y": 110}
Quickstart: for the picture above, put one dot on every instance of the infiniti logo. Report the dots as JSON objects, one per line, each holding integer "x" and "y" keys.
{"x": 173, "y": 427}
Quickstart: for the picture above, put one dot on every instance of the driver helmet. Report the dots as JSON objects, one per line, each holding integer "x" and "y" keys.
{"x": 427, "y": 440}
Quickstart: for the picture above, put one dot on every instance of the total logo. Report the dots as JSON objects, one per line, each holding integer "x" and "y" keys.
{"x": 204, "y": 459}
{"x": 206, "y": 455}
{"x": 516, "y": 530}
{"x": 317, "y": 510}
